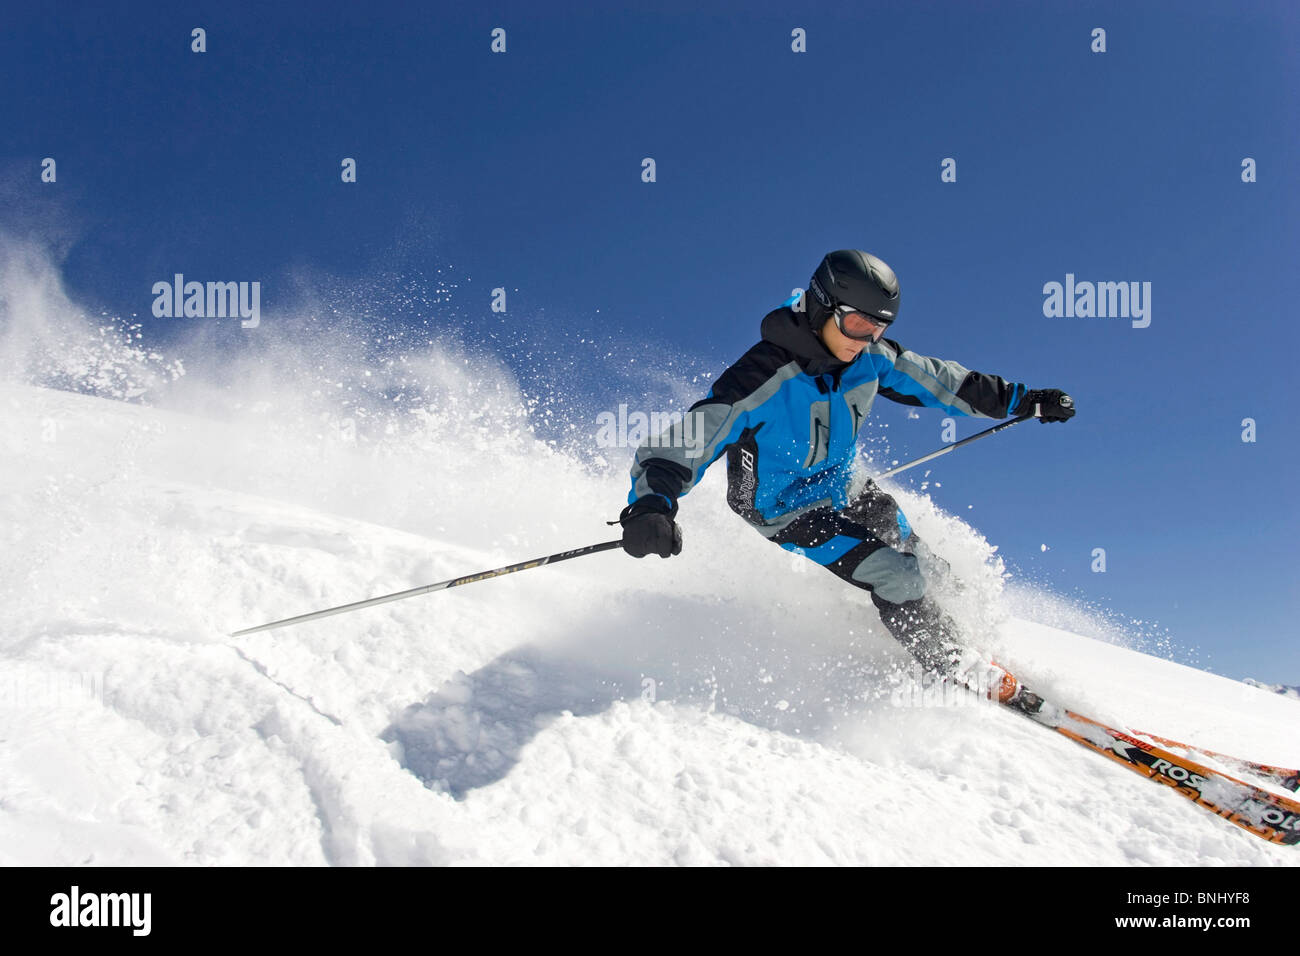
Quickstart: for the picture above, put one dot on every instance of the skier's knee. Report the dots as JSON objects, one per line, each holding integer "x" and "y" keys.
{"x": 893, "y": 575}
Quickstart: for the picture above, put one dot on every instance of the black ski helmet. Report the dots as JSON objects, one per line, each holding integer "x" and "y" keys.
{"x": 855, "y": 278}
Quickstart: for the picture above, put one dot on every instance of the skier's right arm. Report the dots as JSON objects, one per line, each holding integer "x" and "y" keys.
{"x": 670, "y": 464}
{"x": 667, "y": 466}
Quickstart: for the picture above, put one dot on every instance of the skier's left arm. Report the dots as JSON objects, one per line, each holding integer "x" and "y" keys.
{"x": 913, "y": 379}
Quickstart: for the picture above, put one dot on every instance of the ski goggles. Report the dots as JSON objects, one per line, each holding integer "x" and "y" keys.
{"x": 857, "y": 324}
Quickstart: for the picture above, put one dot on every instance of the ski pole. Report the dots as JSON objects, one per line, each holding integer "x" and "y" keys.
{"x": 955, "y": 445}
{"x": 440, "y": 586}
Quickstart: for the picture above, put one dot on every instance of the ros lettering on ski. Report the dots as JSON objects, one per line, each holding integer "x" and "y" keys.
{"x": 1179, "y": 774}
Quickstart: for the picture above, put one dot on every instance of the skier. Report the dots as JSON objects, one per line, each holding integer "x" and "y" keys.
{"x": 787, "y": 415}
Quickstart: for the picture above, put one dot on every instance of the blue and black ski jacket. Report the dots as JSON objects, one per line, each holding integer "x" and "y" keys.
{"x": 787, "y": 416}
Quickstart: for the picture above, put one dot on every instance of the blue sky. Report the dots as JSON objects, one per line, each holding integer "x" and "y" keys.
{"x": 523, "y": 170}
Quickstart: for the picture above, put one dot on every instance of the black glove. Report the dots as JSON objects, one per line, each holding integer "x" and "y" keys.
{"x": 649, "y": 528}
{"x": 1054, "y": 404}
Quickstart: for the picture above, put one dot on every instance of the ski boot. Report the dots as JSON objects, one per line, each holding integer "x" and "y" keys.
{"x": 992, "y": 681}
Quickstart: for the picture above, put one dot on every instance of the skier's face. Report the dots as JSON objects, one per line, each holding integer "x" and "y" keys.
{"x": 840, "y": 345}
{"x": 856, "y": 324}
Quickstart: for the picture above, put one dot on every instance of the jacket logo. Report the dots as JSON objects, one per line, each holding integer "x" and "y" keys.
{"x": 748, "y": 479}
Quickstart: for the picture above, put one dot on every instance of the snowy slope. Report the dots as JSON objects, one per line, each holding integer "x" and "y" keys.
{"x": 1283, "y": 689}
{"x": 601, "y": 711}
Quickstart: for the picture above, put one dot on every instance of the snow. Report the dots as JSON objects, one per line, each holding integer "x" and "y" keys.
{"x": 603, "y": 711}
{"x": 734, "y": 705}
{"x": 1283, "y": 689}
